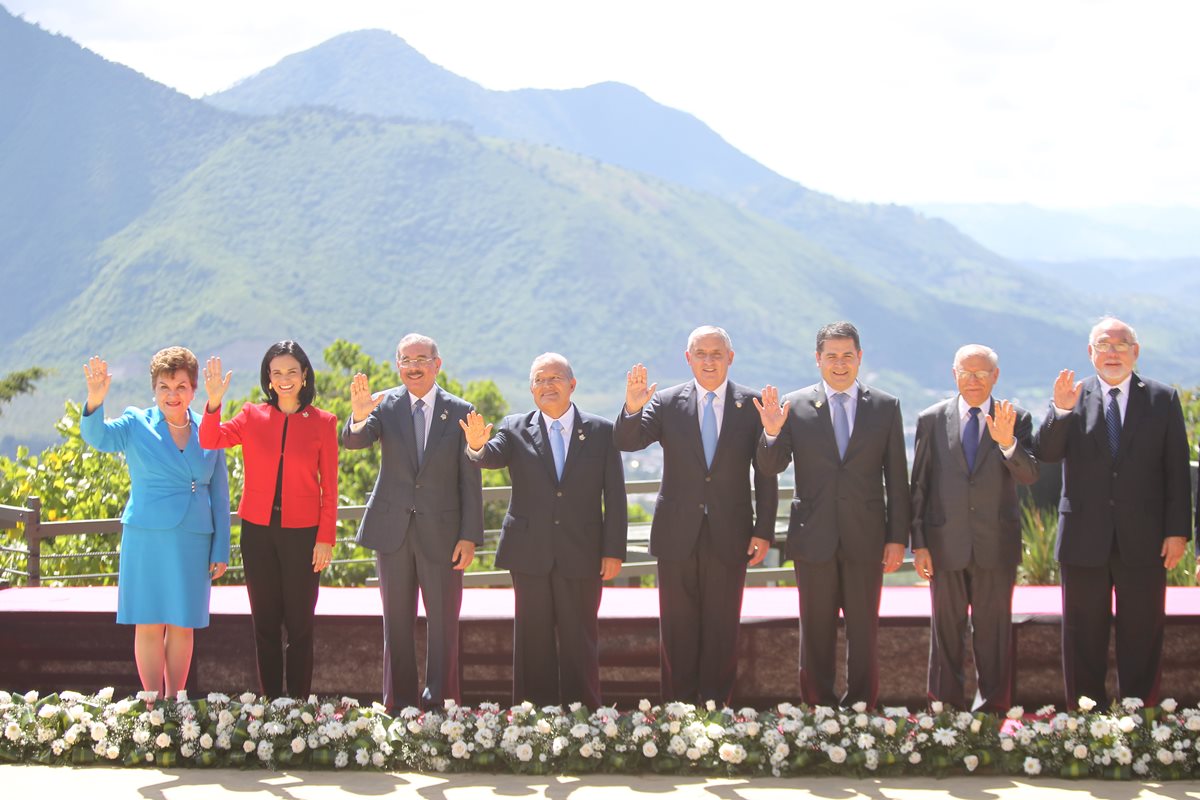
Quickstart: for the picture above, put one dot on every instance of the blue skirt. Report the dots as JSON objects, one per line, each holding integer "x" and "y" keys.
{"x": 163, "y": 578}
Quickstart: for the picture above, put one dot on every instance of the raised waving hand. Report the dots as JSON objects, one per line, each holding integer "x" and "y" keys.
{"x": 361, "y": 401}
{"x": 770, "y": 412}
{"x": 637, "y": 393}
{"x": 477, "y": 431}
{"x": 98, "y": 381}
{"x": 214, "y": 385}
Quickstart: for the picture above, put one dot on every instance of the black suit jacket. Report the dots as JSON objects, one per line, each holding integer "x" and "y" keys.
{"x": 440, "y": 503}
{"x": 689, "y": 485}
{"x": 958, "y": 513}
{"x": 1141, "y": 497}
{"x": 567, "y": 524}
{"x": 842, "y": 502}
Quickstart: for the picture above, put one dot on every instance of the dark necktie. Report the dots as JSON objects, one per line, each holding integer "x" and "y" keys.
{"x": 708, "y": 428}
{"x": 1112, "y": 418}
{"x": 970, "y": 438}
{"x": 419, "y": 430}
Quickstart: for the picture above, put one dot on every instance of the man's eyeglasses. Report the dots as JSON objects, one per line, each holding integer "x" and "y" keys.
{"x": 1111, "y": 347}
{"x": 423, "y": 361}
{"x": 978, "y": 374}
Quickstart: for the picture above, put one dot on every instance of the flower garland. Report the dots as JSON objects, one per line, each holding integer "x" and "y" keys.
{"x": 1125, "y": 741}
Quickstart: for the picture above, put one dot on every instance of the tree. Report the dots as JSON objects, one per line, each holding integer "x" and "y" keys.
{"x": 16, "y": 383}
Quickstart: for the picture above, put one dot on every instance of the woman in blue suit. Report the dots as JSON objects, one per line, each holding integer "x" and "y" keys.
{"x": 175, "y": 539}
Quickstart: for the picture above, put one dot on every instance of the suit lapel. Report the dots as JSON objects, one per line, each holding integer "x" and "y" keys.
{"x": 408, "y": 433}
{"x": 578, "y": 441}
{"x": 820, "y": 404}
{"x": 537, "y": 435}
{"x": 864, "y": 415}
{"x": 1134, "y": 409}
{"x": 439, "y": 424}
{"x": 691, "y": 408}
{"x": 987, "y": 445}
{"x": 733, "y": 401}
{"x": 954, "y": 435}
{"x": 1093, "y": 414}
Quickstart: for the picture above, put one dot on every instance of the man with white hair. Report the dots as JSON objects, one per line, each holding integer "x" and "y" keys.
{"x": 563, "y": 535}
{"x": 1124, "y": 517}
{"x": 707, "y": 527}
{"x": 971, "y": 452}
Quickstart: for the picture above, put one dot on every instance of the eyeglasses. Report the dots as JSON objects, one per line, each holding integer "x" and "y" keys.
{"x": 423, "y": 361}
{"x": 548, "y": 381}
{"x": 1111, "y": 347}
{"x": 978, "y": 374}
{"x": 704, "y": 355}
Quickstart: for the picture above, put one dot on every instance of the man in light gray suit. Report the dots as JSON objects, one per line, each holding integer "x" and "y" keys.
{"x": 971, "y": 452}
{"x": 423, "y": 519}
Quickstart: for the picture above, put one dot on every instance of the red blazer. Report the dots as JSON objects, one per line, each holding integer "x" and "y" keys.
{"x": 310, "y": 463}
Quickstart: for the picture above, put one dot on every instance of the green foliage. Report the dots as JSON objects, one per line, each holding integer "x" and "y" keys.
{"x": 74, "y": 482}
{"x": 1039, "y": 527}
{"x": 15, "y": 383}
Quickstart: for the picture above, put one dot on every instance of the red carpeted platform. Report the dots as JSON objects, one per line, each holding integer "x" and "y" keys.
{"x": 55, "y": 638}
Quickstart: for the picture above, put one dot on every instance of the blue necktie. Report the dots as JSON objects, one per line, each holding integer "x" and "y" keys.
{"x": 419, "y": 430}
{"x": 1113, "y": 419}
{"x": 708, "y": 428}
{"x": 970, "y": 439}
{"x": 556, "y": 447}
{"x": 841, "y": 422}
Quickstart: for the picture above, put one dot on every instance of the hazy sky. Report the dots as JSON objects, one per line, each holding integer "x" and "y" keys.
{"x": 1060, "y": 103}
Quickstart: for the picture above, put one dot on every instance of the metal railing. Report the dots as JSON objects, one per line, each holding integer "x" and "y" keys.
{"x": 638, "y": 561}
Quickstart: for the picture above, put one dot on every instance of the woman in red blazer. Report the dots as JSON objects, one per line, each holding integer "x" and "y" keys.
{"x": 288, "y": 507}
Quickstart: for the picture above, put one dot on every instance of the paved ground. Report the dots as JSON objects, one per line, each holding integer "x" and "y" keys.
{"x": 195, "y": 784}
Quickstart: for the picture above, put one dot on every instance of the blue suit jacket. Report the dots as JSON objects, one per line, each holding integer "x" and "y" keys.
{"x": 168, "y": 490}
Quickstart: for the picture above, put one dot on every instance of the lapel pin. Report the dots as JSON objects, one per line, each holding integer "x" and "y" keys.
{"x": 738, "y": 404}
{"x": 304, "y": 414}
{"x": 819, "y": 404}
{"x": 444, "y": 415}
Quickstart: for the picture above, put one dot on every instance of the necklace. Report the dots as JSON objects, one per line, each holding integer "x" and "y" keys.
{"x": 187, "y": 424}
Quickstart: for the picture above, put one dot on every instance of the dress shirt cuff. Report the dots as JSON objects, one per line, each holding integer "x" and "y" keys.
{"x": 474, "y": 455}
{"x": 1008, "y": 451}
{"x": 355, "y": 427}
{"x": 1059, "y": 413}
{"x": 768, "y": 439}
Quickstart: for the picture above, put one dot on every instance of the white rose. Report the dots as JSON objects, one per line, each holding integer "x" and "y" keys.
{"x": 1126, "y": 724}
{"x": 523, "y": 751}
{"x": 889, "y": 727}
{"x": 1165, "y": 756}
{"x": 99, "y": 730}
{"x": 733, "y": 753}
{"x": 156, "y": 717}
{"x": 837, "y": 754}
{"x": 105, "y": 695}
{"x": 1016, "y": 712}
{"x": 936, "y": 707}
{"x": 693, "y": 753}
{"x": 1169, "y": 705}
{"x": 31, "y": 697}
{"x": 1007, "y": 744}
{"x": 976, "y": 726}
{"x": 1032, "y": 766}
{"x": 112, "y": 753}
{"x": 141, "y": 736}
{"x": 860, "y": 721}
{"x": 1080, "y": 751}
{"x": 306, "y": 718}
{"x": 459, "y": 749}
{"x": 644, "y": 706}
{"x": 649, "y": 749}
{"x": 1086, "y": 703}
{"x": 586, "y": 750}
{"x": 914, "y": 757}
{"x": 206, "y": 741}
{"x": 377, "y": 758}
{"x": 162, "y": 740}
{"x": 971, "y": 762}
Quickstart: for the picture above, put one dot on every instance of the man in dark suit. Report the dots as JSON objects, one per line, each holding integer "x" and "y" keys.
{"x": 423, "y": 518}
{"x": 707, "y": 528}
{"x": 848, "y": 443}
{"x": 563, "y": 535}
{"x": 972, "y": 451}
{"x": 1124, "y": 517}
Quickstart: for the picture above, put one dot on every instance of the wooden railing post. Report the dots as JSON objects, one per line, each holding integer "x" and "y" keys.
{"x": 33, "y": 540}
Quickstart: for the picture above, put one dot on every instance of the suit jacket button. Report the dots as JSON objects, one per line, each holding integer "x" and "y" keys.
{"x": 559, "y": 494}
{"x": 418, "y": 486}
{"x": 555, "y": 522}
{"x": 708, "y": 479}
{"x": 1112, "y": 502}
{"x": 1114, "y": 474}
{"x": 701, "y": 505}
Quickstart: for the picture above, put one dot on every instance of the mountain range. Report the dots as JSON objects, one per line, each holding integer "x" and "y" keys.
{"x": 358, "y": 191}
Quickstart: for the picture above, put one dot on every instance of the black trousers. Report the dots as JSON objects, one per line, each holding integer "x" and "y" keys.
{"x": 988, "y": 592}
{"x": 700, "y": 611}
{"x": 556, "y": 655}
{"x": 1141, "y": 596}
{"x": 853, "y": 587}
{"x": 283, "y": 597}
